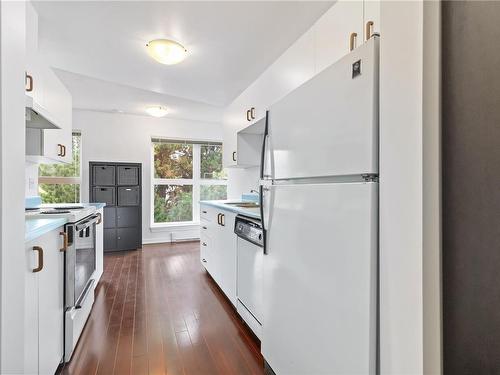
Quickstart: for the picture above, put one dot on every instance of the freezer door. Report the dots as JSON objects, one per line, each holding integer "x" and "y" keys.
{"x": 320, "y": 278}
{"x": 329, "y": 125}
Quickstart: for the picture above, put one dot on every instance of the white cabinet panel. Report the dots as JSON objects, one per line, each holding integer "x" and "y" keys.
{"x": 332, "y": 32}
{"x": 44, "y": 305}
{"x": 51, "y": 305}
{"x": 218, "y": 248}
{"x": 51, "y": 95}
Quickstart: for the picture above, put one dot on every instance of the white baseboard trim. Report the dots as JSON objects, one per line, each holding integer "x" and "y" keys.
{"x": 168, "y": 240}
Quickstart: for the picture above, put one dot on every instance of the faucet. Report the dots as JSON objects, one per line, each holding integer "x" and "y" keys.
{"x": 254, "y": 191}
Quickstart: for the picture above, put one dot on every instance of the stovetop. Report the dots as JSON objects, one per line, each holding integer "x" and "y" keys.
{"x": 72, "y": 212}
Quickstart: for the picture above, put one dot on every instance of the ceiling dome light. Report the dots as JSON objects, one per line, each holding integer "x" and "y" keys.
{"x": 157, "y": 111}
{"x": 166, "y": 51}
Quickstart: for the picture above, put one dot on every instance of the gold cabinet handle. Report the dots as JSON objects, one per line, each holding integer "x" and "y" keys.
{"x": 352, "y": 41}
{"x": 252, "y": 113}
{"x": 368, "y": 30}
{"x": 65, "y": 241}
{"x": 223, "y": 220}
{"x": 99, "y": 220}
{"x": 64, "y": 150}
{"x": 40, "y": 259}
{"x": 249, "y": 115}
{"x": 234, "y": 155}
{"x": 29, "y": 83}
{"x": 60, "y": 153}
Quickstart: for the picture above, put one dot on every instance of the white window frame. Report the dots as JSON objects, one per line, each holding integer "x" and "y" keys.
{"x": 196, "y": 182}
{"x": 55, "y": 180}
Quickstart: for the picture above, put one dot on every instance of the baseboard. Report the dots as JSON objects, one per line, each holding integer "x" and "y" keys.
{"x": 168, "y": 240}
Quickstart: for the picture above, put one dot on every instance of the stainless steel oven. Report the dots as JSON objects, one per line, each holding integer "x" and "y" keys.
{"x": 80, "y": 265}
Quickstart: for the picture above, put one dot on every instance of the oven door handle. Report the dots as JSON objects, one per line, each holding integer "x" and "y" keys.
{"x": 83, "y": 297}
{"x": 87, "y": 223}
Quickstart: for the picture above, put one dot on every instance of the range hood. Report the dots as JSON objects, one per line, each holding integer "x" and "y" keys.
{"x": 37, "y": 117}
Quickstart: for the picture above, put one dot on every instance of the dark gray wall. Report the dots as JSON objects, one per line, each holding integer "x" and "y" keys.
{"x": 471, "y": 187}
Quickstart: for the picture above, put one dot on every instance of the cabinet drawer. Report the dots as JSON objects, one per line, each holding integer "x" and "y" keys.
{"x": 128, "y": 196}
{"x": 109, "y": 217}
{"x": 127, "y": 238}
{"x": 208, "y": 213}
{"x": 128, "y": 175}
{"x": 103, "y": 175}
{"x": 104, "y": 194}
{"x": 127, "y": 216}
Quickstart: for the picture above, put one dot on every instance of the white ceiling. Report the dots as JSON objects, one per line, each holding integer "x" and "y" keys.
{"x": 229, "y": 44}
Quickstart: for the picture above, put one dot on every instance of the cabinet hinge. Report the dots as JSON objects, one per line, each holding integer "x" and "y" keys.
{"x": 370, "y": 177}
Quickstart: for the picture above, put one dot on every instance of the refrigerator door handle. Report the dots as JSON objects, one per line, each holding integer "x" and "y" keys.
{"x": 265, "y": 208}
{"x": 264, "y": 149}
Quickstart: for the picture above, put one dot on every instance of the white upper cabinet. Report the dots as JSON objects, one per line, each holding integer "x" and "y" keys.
{"x": 49, "y": 99}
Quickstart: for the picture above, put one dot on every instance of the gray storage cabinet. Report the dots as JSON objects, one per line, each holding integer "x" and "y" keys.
{"x": 119, "y": 185}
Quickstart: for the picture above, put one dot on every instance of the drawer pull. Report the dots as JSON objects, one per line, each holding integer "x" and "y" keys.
{"x": 204, "y": 260}
{"x": 204, "y": 227}
{"x": 204, "y": 244}
{"x": 29, "y": 83}
{"x": 40, "y": 259}
{"x": 65, "y": 241}
{"x": 204, "y": 212}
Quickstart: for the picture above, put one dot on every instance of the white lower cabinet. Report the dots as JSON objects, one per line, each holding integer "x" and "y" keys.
{"x": 218, "y": 248}
{"x": 44, "y": 304}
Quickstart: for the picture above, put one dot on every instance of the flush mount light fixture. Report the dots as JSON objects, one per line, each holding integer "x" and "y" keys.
{"x": 157, "y": 111}
{"x": 166, "y": 51}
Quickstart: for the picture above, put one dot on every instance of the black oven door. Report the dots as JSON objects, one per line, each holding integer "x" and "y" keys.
{"x": 80, "y": 260}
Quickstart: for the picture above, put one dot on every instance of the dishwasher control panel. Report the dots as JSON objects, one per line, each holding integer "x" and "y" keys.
{"x": 249, "y": 229}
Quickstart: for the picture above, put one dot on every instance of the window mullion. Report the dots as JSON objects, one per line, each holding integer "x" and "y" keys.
{"x": 196, "y": 181}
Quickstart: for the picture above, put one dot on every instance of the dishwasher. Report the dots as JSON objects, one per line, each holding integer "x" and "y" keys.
{"x": 249, "y": 271}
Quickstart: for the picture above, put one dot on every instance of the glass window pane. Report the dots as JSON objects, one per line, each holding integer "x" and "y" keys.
{"x": 173, "y": 203}
{"x": 64, "y": 170}
{"x": 59, "y": 193}
{"x": 213, "y": 192}
{"x": 211, "y": 162}
{"x": 173, "y": 160}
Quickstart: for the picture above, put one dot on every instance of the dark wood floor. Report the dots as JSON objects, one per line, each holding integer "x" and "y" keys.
{"x": 158, "y": 312}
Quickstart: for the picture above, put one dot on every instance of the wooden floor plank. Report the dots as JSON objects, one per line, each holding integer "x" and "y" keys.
{"x": 158, "y": 312}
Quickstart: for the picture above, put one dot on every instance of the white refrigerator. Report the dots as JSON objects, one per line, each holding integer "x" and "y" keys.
{"x": 319, "y": 199}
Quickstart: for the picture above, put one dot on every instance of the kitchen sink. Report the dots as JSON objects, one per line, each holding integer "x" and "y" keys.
{"x": 244, "y": 204}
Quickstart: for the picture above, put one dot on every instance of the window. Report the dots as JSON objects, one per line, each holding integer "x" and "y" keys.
{"x": 185, "y": 172}
{"x": 60, "y": 183}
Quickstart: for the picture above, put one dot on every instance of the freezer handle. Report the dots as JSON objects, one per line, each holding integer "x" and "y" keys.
{"x": 263, "y": 149}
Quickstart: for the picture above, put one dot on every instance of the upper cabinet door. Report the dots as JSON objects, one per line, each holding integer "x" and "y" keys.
{"x": 372, "y": 14}
{"x": 51, "y": 96}
{"x": 332, "y": 32}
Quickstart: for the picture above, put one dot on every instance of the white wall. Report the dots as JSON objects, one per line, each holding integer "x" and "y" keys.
{"x": 12, "y": 62}
{"x": 410, "y": 327}
{"x": 127, "y": 138}
{"x": 241, "y": 181}
{"x": 31, "y": 179}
